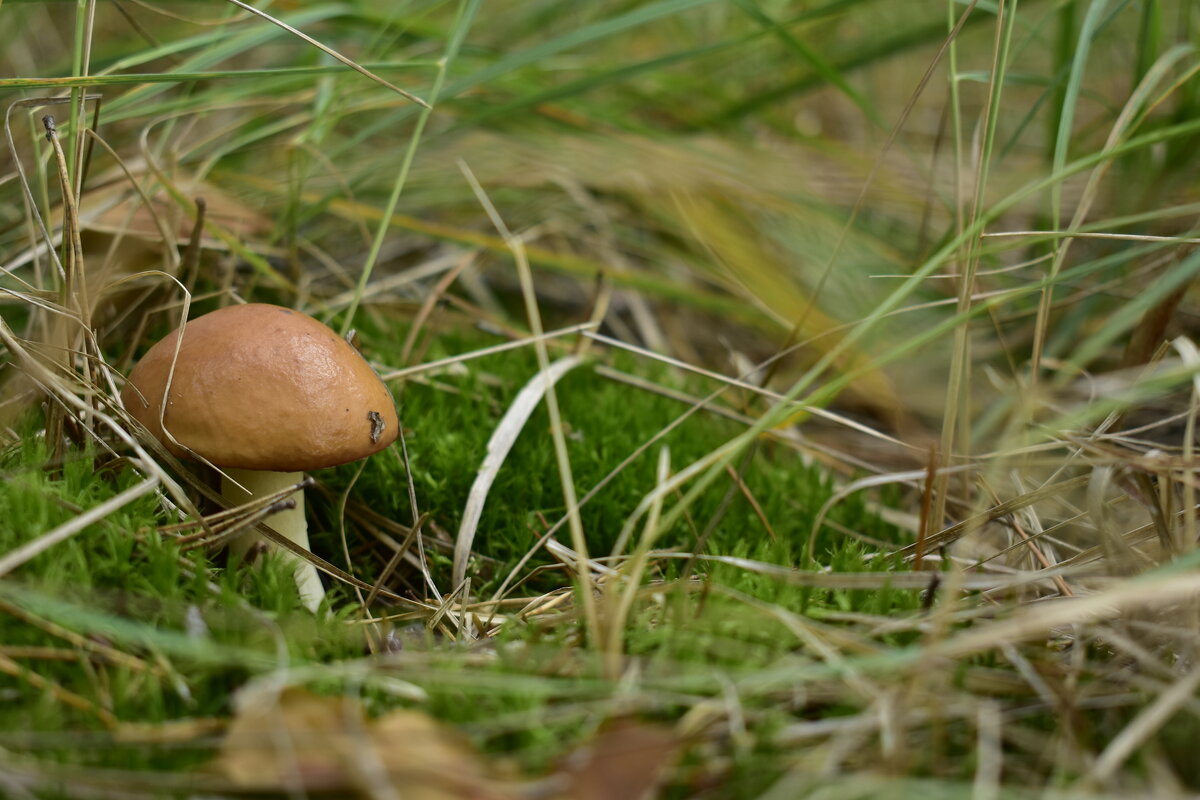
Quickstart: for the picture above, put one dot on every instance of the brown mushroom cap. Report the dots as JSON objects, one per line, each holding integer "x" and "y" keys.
{"x": 263, "y": 387}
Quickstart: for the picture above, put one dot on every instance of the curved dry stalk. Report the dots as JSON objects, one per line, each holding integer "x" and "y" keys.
{"x": 499, "y": 445}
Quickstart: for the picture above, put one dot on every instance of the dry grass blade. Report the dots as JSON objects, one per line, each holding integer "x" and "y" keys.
{"x": 741, "y": 383}
{"x": 752, "y": 500}
{"x": 82, "y": 645}
{"x": 330, "y": 52}
{"x": 871, "y": 580}
{"x": 65, "y": 696}
{"x": 431, "y": 366}
{"x": 851, "y": 488}
{"x": 227, "y": 526}
{"x": 31, "y": 203}
{"x": 65, "y": 393}
{"x": 1191, "y": 356}
{"x": 566, "y": 477}
{"x": 36, "y": 547}
{"x": 1144, "y": 726}
{"x": 954, "y": 532}
{"x": 501, "y": 442}
{"x": 989, "y": 751}
{"x": 430, "y": 302}
{"x": 284, "y": 543}
{"x": 1120, "y": 237}
{"x": 1039, "y": 619}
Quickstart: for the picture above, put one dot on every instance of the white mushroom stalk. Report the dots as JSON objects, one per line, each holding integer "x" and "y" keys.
{"x": 241, "y": 486}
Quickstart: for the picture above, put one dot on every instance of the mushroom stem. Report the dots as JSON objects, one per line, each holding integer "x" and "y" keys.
{"x": 289, "y": 523}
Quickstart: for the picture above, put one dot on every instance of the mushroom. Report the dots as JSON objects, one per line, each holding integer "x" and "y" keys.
{"x": 264, "y": 393}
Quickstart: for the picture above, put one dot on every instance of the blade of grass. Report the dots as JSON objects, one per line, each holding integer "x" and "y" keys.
{"x": 593, "y": 32}
{"x": 330, "y": 52}
{"x": 887, "y": 48}
{"x": 820, "y": 67}
{"x": 1062, "y": 141}
{"x": 458, "y": 32}
{"x": 212, "y": 47}
{"x": 81, "y": 52}
{"x": 715, "y": 462}
{"x": 955, "y": 421}
{"x": 624, "y": 73}
{"x": 616, "y": 620}
{"x": 566, "y": 477}
{"x": 137, "y": 78}
{"x": 126, "y": 631}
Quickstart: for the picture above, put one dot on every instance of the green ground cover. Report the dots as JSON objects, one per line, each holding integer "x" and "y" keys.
{"x": 960, "y": 234}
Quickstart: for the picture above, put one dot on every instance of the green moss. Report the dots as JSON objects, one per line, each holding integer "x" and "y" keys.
{"x": 122, "y": 581}
{"x": 605, "y": 421}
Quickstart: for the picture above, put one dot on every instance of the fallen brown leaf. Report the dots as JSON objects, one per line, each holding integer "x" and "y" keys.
{"x": 327, "y": 744}
{"x": 626, "y": 761}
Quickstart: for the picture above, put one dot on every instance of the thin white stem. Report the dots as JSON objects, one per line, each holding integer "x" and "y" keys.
{"x": 240, "y": 486}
